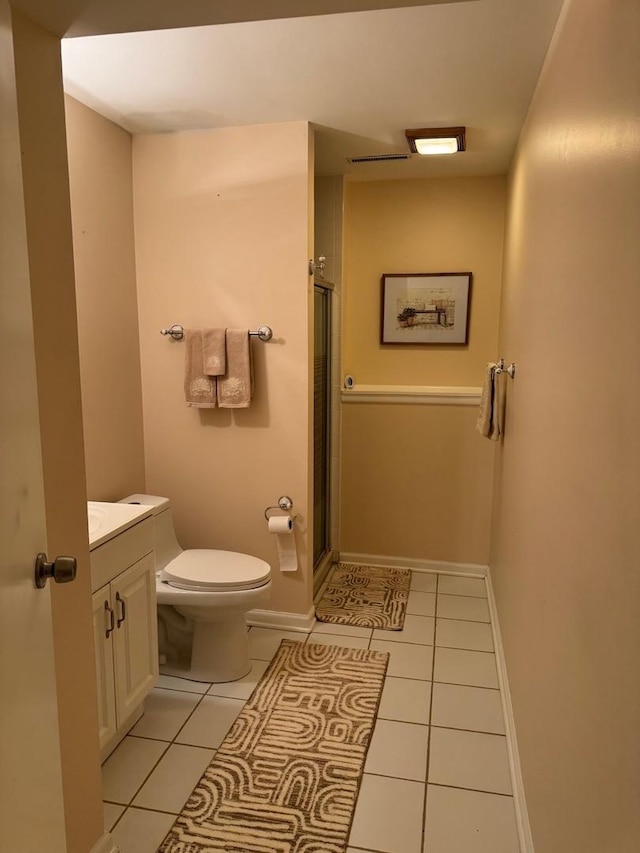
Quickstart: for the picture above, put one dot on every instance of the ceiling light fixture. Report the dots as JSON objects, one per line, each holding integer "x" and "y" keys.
{"x": 436, "y": 140}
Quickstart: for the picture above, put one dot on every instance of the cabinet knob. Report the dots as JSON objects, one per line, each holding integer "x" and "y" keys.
{"x": 62, "y": 570}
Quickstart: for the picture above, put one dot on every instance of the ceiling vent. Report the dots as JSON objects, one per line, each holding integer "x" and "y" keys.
{"x": 378, "y": 158}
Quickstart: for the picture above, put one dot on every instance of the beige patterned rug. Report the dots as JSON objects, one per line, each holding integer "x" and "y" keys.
{"x": 367, "y": 596}
{"x": 286, "y": 777}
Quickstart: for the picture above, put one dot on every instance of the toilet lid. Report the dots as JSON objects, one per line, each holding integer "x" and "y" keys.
{"x": 210, "y": 570}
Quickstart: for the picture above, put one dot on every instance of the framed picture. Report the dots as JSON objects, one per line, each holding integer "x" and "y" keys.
{"x": 425, "y": 308}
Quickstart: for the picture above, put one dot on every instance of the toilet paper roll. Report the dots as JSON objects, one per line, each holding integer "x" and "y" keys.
{"x": 282, "y": 527}
{"x": 280, "y": 524}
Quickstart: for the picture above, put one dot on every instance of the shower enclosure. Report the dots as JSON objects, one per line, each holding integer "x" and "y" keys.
{"x": 321, "y": 422}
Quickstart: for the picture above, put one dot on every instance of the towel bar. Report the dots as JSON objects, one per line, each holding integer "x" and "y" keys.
{"x": 511, "y": 370}
{"x": 264, "y": 333}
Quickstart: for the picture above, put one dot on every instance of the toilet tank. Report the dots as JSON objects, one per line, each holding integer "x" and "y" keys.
{"x": 165, "y": 544}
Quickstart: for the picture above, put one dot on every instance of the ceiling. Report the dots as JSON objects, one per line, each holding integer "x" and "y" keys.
{"x": 360, "y": 77}
{"x": 97, "y": 17}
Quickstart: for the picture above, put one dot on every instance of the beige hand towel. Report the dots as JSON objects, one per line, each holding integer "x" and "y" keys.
{"x": 213, "y": 352}
{"x": 234, "y": 388}
{"x": 489, "y": 423}
{"x": 199, "y": 389}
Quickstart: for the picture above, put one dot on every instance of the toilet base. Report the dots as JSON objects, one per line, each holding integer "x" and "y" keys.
{"x": 207, "y": 629}
{"x": 220, "y": 649}
{"x": 219, "y": 652}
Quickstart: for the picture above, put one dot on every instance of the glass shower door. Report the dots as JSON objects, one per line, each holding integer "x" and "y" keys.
{"x": 321, "y": 421}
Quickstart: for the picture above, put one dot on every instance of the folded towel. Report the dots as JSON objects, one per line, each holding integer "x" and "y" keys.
{"x": 213, "y": 352}
{"x": 489, "y": 423}
{"x": 235, "y": 387}
{"x": 199, "y": 389}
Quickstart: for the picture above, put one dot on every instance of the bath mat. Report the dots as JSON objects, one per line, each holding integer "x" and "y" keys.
{"x": 366, "y": 596}
{"x": 286, "y": 777}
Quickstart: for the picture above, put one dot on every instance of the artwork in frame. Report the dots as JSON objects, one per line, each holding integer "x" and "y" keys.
{"x": 425, "y": 308}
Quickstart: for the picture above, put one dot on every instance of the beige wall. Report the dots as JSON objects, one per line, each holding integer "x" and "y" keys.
{"x": 222, "y": 239}
{"x": 417, "y": 480}
{"x": 100, "y": 176}
{"x": 566, "y": 553}
{"x": 44, "y": 163}
{"x": 438, "y": 225}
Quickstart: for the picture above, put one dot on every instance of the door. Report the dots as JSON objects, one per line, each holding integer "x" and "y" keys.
{"x": 133, "y": 598}
{"x": 31, "y": 806}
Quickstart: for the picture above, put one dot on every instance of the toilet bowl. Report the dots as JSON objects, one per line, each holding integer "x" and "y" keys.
{"x": 203, "y": 596}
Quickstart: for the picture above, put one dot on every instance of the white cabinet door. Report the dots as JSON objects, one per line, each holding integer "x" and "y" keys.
{"x": 103, "y": 627}
{"x": 133, "y": 597}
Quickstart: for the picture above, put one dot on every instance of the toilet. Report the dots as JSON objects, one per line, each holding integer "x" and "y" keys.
{"x": 203, "y": 596}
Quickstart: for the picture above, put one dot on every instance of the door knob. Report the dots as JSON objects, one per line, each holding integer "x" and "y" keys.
{"x": 62, "y": 570}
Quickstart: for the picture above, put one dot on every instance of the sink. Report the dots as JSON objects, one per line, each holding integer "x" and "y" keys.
{"x": 106, "y": 520}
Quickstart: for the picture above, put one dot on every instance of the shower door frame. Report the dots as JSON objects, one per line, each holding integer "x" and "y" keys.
{"x": 323, "y": 562}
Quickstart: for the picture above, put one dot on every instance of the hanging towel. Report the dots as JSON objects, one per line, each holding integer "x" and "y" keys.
{"x": 213, "y": 352}
{"x": 235, "y": 387}
{"x": 489, "y": 423}
{"x": 199, "y": 389}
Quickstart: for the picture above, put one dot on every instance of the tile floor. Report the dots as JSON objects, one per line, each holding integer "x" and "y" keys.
{"x": 437, "y": 774}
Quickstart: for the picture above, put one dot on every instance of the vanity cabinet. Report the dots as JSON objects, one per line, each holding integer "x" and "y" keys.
{"x": 125, "y": 633}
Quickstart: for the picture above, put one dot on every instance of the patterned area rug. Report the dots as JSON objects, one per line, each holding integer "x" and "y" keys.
{"x": 367, "y": 596}
{"x": 286, "y": 777}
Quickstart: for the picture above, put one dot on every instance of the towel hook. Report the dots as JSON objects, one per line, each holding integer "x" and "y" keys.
{"x": 284, "y": 503}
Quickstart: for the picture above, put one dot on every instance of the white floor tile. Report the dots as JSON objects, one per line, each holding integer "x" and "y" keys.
{"x": 140, "y": 831}
{"x": 421, "y": 603}
{"x": 469, "y": 760}
{"x": 264, "y": 642}
{"x": 463, "y": 607}
{"x": 460, "y": 821}
{"x": 128, "y": 766}
{"x": 457, "y": 634}
{"x": 388, "y": 815}
{"x": 406, "y": 661}
{"x": 474, "y": 708}
{"x": 398, "y": 750}
{"x": 336, "y": 640}
{"x": 345, "y": 630}
{"x": 417, "y": 629}
{"x": 170, "y": 682}
{"x": 452, "y": 585}
{"x": 173, "y": 780}
{"x": 210, "y": 722}
{"x": 165, "y": 712}
{"x": 111, "y": 813}
{"x": 424, "y": 581}
{"x": 405, "y": 700}
{"x": 243, "y": 687}
{"x": 456, "y": 666}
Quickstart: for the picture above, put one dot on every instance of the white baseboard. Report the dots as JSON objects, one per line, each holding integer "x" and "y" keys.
{"x": 105, "y": 844}
{"x": 522, "y": 817}
{"x": 284, "y": 621}
{"x": 474, "y": 570}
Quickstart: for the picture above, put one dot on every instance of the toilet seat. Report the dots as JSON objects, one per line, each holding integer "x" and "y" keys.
{"x": 209, "y": 570}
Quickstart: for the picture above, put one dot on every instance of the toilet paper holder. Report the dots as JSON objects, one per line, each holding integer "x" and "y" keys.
{"x": 284, "y": 503}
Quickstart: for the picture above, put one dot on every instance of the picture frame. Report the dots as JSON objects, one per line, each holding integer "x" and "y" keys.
{"x": 425, "y": 308}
